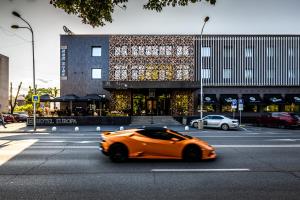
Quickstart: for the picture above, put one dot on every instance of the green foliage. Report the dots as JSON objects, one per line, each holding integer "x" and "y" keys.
{"x": 40, "y": 91}
{"x": 97, "y": 12}
{"x": 27, "y": 108}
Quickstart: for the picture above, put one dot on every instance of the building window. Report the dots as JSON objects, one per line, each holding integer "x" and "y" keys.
{"x": 96, "y": 73}
{"x": 226, "y": 73}
{"x": 291, "y": 52}
{"x": 291, "y": 74}
{"x": 155, "y": 50}
{"x": 168, "y": 50}
{"x": 135, "y": 50}
{"x": 270, "y": 74}
{"x": 148, "y": 50}
{"x": 96, "y": 51}
{"x": 117, "y": 51}
{"x": 120, "y": 72}
{"x": 124, "y": 51}
{"x": 205, "y": 52}
{"x": 270, "y": 51}
{"x": 186, "y": 51}
{"x": 141, "y": 50}
{"x": 179, "y": 51}
{"x": 248, "y": 52}
{"x": 205, "y": 73}
{"x": 248, "y": 74}
{"x": 162, "y": 50}
{"x": 227, "y": 52}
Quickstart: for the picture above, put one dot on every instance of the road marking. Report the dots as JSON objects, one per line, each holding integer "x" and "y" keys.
{"x": 285, "y": 140}
{"x": 13, "y": 149}
{"x": 201, "y": 170}
{"x": 258, "y": 146}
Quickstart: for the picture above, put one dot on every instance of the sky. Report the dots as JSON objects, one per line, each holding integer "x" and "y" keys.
{"x": 226, "y": 17}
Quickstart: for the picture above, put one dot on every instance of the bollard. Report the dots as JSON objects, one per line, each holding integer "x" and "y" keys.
{"x": 186, "y": 128}
{"x": 121, "y": 128}
{"x": 98, "y": 128}
{"x": 76, "y": 129}
{"x": 53, "y": 129}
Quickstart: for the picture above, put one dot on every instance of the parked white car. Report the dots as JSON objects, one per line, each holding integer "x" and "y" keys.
{"x": 217, "y": 121}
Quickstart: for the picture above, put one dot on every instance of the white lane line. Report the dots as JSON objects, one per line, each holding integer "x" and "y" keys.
{"x": 201, "y": 170}
{"x": 284, "y": 140}
{"x": 258, "y": 146}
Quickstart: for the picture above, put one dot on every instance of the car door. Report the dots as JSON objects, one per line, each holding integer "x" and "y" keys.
{"x": 217, "y": 121}
{"x": 207, "y": 121}
{"x": 159, "y": 144}
{"x": 213, "y": 121}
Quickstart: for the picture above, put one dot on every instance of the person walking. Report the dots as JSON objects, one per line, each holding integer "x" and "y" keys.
{"x": 2, "y": 122}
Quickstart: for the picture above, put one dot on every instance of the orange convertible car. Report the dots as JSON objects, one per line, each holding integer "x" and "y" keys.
{"x": 154, "y": 143}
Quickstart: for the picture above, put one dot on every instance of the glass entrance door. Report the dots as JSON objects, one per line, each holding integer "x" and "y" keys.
{"x": 142, "y": 104}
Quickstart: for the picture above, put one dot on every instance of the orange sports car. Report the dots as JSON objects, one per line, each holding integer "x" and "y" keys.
{"x": 154, "y": 143}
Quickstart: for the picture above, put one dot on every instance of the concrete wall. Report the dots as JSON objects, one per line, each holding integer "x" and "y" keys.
{"x": 4, "y": 83}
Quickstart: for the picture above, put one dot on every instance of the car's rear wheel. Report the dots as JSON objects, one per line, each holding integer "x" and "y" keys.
{"x": 118, "y": 153}
{"x": 224, "y": 127}
{"x": 195, "y": 124}
{"x": 192, "y": 153}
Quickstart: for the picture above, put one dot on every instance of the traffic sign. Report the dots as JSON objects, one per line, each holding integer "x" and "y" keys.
{"x": 36, "y": 98}
{"x": 241, "y": 101}
{"x": 241, "y": 104}
{"x": 234, "y": 104}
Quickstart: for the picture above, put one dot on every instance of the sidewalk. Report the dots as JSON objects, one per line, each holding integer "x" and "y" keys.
{"x": 22, "y": 128}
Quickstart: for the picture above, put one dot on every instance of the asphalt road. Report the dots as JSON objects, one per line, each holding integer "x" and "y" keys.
{"x": 254, "y": 163}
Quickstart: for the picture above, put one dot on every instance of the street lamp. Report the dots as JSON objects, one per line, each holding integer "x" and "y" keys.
{"x": 33, "y": 62}
{"x": 200, "y": 124}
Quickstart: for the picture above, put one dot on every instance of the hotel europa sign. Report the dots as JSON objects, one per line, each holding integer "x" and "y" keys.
{"x": 78, "y": 120}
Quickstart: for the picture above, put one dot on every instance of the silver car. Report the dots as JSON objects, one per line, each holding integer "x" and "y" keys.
{"x": 217, "y": 121}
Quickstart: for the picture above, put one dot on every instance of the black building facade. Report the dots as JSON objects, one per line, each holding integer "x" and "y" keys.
{"x": 160, "y": 74}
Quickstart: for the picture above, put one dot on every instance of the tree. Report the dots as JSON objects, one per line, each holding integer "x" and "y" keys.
{"x": 97, "y": 12}
{"x": 11, "y": 102}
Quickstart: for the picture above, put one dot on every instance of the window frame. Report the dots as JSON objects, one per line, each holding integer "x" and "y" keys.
{"x": 94, "y": 47}
{"x": 100, "y": 73}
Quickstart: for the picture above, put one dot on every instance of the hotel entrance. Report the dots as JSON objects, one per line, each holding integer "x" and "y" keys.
{"x": 152, "y": 102}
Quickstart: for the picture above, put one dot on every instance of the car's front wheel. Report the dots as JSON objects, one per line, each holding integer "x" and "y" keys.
{"x": 224, "y": 127}
{"x": 192, "y": 153}
{"x": 118, "y": 153}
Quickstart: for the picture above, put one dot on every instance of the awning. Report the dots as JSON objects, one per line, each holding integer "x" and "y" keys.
{"x": 228, "y": 98}
{"x": 66, "y": 98}
{"x": 208, "y": 99}
{"x": 46, "y": 97}
{"x": 92, "y": 97}
{"x": 292, "y": 98}
{"x": 273, "y": 99}
{"x": 252, "y": 98}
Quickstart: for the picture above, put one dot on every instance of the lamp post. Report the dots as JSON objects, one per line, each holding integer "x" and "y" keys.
{"x": 33, "y": 61}
{"x": 200, "y": 124}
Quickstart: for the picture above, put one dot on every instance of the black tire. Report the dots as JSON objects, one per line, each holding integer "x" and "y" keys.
{"x": 195, "y": 124}
{"x": 118, "y": 153}
{"x": 225, "y": 127}
{"x": 192, "y": 153}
